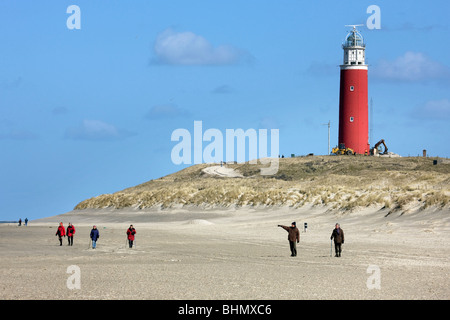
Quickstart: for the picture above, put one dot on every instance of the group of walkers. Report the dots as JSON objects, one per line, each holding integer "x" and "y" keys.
{"x": 94, "y": 235}
{"x": 61, "y": 232}
{"x": 25, "y": 221}
{"x": 294, "y": 237}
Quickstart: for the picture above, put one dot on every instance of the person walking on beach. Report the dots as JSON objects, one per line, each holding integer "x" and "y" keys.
{"x": 20, "y": 222}
{"x": 94, "y": 236}
{"x": 338, "y": 236}
{"x": 61, "y": 232}
{"x": 293, "y": 237}
{"x": 130, "y": 233}
{"x": 26, "y": 221}
{"x": 70, "y": 232}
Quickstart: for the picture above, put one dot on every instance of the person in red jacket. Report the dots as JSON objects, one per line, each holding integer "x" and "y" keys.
{"x": 130, "y": 233}
{"x": 61, "y": 232}
{"x": 70, "y": 232}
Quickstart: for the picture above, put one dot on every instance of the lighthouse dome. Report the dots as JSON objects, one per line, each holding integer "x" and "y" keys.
{"x": 354, "y": 39}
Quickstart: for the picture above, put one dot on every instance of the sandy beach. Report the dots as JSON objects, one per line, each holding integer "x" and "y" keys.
{"x": 229, "y": 254}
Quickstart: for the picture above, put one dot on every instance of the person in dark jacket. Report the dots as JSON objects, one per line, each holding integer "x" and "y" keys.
{"x": 70, "y": 232}
{"x": 130, "y": 235}
{"x": 61, "y": 232}
{"x": 293, "y": 237}
{"x": 338, "y": 236}
{"x": 94, "y": 236}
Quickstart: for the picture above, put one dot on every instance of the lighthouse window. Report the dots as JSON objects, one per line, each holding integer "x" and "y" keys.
{"x": 351, "y": 119}
{"x": 352, "y": 88}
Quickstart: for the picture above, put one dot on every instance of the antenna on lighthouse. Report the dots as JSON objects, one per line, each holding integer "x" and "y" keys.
{"x": 354, "y": 25}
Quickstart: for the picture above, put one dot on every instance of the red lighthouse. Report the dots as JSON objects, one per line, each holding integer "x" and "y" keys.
{"x": 353, "y": 97}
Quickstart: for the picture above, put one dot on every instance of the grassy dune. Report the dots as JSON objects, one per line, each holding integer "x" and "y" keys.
{"x": 339, "y": 182}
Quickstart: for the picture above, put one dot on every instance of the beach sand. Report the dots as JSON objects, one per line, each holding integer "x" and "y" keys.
{"x": 196, "y": 254}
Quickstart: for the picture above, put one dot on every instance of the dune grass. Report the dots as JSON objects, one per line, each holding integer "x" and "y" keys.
{"x": 339, "y": 182}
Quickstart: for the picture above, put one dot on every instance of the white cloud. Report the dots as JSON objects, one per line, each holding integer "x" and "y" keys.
{"x": 188, "y": 48}
{"x": 433, "y": 110}
{"x": 411, "y": 67}
{"x": 96, "y": 130}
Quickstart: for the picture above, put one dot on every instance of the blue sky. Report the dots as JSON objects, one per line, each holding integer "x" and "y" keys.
{"x": 90, "y": 111}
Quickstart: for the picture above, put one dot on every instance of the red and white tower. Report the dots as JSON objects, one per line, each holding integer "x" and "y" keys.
{"x": 353, "y": 96}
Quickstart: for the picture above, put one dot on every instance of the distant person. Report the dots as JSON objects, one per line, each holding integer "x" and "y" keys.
{"x": 20, "y": 222}
{"x": 94, "y": 236}
{"x": 70, "y": 232}
{"x": 130, "y": 233}
{"x": 338, "y": 236}
{"x": 61, "y": 232}
{"x": 26, "y": 221}
{"x": 293, "y": 237}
